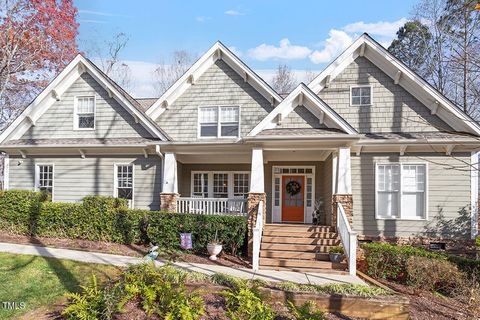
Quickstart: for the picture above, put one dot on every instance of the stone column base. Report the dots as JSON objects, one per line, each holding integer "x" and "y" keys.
{"x": 168, "y": 201}
{"x": 347, "y": 202}
{"x": 252, "y": 209}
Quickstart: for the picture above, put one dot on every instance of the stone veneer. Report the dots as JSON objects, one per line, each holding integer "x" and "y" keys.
{"x": 347, "y": 202}
{"x": 168, "y": 201}
{"x": 252, "y": 210}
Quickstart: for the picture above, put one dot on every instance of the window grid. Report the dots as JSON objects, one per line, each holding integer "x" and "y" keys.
{"x": 125, "y": 181}
{"x": 309, "y": 192}
{"x": 45, "y": 178}
{"x": 200, "y": 184}
{"x": 361, "y": 95}
{"x": 240, "y": 185}
{"x": 219, "y": 122}
{"x": 277, "y": 192}
{"x": 85, "y": 112}
{"x": 220, "y": 185}
{"x": 401, "y": 191}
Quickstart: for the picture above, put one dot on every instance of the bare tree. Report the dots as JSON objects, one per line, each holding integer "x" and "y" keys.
{"x": 168, "y": 72}
{"x": 284, "y": 81}
{"x": 309, "y": 76}
{"x": 108, "y": 54}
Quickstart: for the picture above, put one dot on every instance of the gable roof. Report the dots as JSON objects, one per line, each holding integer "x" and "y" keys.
{"x": 367, "y": 47}
{"x": 216, "y": 52}
{"x": 62, "y": 82}
{"x": 302, "y": 95}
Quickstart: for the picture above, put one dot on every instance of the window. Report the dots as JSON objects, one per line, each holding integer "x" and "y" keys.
{"x": 401, "y": 191}
{"x": 200, "y": 185}
{"x": 85, "y": 113}
{"x": 124, "y": 183}
{"x": 214, "y": 184}
{"x": 220, "y": 185}
{"x": 240, "y": 185}
{"x": 361, "y": 95}
{"x": 219, "y": 122}
{"x": 44, "y": 178}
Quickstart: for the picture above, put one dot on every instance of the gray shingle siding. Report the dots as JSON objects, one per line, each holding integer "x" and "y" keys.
{"x": 448, "y": 197}
{"x": 75, "y": 178}
{"x": 393, "y": 109}
{"x": 220, "y": 85}
{"x": 301, "y": 117}
{"x": 111, "y": 119}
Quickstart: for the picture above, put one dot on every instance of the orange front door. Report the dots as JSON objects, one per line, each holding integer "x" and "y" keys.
{"x": 292, "y": 198}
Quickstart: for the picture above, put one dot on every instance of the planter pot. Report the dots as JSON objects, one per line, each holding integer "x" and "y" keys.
{"x": 336, "y": 257}
{"x": 214, "y": 250}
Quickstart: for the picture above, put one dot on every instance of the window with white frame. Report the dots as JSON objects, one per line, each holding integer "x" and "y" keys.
{"x": 361, "y": 95}
{"x": 124, "y": 182}
{"x": 230, "y": 184}
{"x": 401, "y": 191}
{"x": 44, "y": 178}
{"x": 85, "y": 113}
{"x": 219, "y": 122}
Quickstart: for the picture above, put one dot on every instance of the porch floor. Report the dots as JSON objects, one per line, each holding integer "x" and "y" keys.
{"x": 123, "y": 261}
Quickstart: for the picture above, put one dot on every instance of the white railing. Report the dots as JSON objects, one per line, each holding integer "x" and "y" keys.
{"x": 219, "y": 206}
{"x": 349, "y": 239}
{"x": 257, "y": 237}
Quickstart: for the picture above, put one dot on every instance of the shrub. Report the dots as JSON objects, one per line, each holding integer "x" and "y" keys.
{"x": 336, "y": 249}
{"x": 334, "y": 288}
{"x": 477, "y": 242}
{"x": 243, "y": 303}
{"x": 164, "y": 229}
{"x": 433, "y": 274}
{"x": 101, "y": 218}
{"x": 307, "y": 311}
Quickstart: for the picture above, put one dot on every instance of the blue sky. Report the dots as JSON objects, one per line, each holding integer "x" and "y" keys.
{"x": 303, "y": 34}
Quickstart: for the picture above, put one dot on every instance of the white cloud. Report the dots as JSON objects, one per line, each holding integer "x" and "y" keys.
{"x": 232, "y": 12}
{"x": 237, "y": 52}
{"x": 91, "y": 21}
{"x": 202, "y": 19}
{"x": 337, "y": 42}
{"x": 385, "y": 29}
{"x": 285, "y": 51}
{"x": 99, "y": 13}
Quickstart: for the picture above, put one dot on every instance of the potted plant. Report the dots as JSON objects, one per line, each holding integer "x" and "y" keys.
{"x": 336, "y": 254}
{"x": 214, "y": 248}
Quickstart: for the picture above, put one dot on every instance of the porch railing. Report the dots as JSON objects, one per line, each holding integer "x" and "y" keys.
{"x": 212, "y": 206}
{"x": 349, "y": 239}
{"x": 257, "y": 237}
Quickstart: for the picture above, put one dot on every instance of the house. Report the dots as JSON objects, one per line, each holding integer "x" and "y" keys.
{"x": 368, "y": 148}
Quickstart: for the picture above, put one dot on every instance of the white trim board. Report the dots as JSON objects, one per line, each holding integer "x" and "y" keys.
{"x": 6, "y": 172}
{"x": 302, "y": 95}
{"x": 474, "y": 192}
{"x": 54, "y": 91}
{"x": 367, "y": 47}
{"x": 217, "y": 52}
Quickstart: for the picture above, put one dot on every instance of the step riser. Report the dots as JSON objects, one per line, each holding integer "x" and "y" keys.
{"x": 302, "y": 241}
{"x": 289, "y": 234}
{"x": 300, "y": 248}
{"x": 292, "y": 263}
{"x": 289, "y": 228}
{"x": 295, "y": 255}
{"x": 326, "y": 271}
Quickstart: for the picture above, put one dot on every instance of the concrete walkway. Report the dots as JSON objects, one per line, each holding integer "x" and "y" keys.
{"x": 123, "y": 261}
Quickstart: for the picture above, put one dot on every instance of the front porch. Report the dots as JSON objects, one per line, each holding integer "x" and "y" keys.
{"x": 273, "y": 183}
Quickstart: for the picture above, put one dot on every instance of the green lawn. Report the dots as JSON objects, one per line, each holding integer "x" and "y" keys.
{"x": 39, "y": 282}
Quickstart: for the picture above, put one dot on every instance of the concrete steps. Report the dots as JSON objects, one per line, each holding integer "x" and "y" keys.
{"x": 298, "y": 247}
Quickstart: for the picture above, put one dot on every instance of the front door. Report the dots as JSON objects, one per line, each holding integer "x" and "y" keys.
{"x": 292, "y": 198}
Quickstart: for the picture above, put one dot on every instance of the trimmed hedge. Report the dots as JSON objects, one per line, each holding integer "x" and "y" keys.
{"x": 388, "y": 261}
{"x": 108, "y": 219}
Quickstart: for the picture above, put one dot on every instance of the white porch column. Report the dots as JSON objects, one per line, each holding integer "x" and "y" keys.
{"x": 344, "y": 172}
{"x": 6, "y": 172}
{"x": 257, "y": 183}
{"x": 169, "y": 195}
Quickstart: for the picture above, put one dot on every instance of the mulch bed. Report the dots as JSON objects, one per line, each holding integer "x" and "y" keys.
{"x": 132, "y": 250}
{"x": 426, "y": 305}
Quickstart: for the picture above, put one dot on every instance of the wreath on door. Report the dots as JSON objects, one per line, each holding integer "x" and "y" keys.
{"x": 293, "y": 187}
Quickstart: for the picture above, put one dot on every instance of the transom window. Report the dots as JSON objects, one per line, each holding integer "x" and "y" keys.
{"x": 44, "y": 178}
{"x": 219, "y": 122}
{"x": 231, "y": 184}
{"x": 401, "y": 190}
{"x": 124, "y": 183}
{"x": 85, "y": 113}
{"x": 361, "y": 95}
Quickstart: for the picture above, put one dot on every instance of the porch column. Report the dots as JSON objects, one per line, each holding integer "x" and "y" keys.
{"x": 343, "y": 185}
{"x": 169, "y": 195}
{"x": 256, "y": 194}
